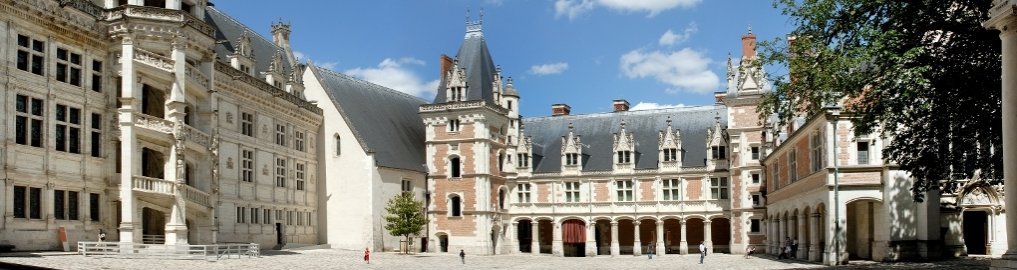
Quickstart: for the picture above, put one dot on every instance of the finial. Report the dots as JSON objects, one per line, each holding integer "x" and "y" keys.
{"x": 467, "y": 16}
{"x": 510, "y": 80}
{"x": 481, "y": 15}
{"x": 668, "y": 120}
{"x": 750, "y": 28}
{"x": 623, "y": 124}
{"x": 570, "y": 127}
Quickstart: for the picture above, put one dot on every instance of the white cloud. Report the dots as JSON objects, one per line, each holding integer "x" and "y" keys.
{"x": 549, "y": 69}
{"x": 393, "y": 73}
{"x": 670, "y": 38}
{"x": 299, "y": 55}
{"x": 652, "y": 106}
{"x": 686, "y": 69}
{"x": 574, "y": 8}
{"x": 496, "y": 3}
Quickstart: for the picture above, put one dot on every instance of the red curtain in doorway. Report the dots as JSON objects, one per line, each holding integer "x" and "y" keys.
{"x": 573, "y": 232}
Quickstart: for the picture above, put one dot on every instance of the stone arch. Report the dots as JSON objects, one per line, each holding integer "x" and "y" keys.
{"x": 442, "y": 241}
{"x": 455, "y": 166}
{"x": 503, "y": 197}
{"x": 696, "y": 229}
{"x": 720, "y": 234}
{"x": 522, "y": 218}
{"x": 978, "y": 192}
{"x": 646, "y": 218}
{"x": 620, "y": 218}
{"x": 573, "y": 236}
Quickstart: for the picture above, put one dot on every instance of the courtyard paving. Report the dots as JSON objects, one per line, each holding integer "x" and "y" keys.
{"x": 344, "y": 259}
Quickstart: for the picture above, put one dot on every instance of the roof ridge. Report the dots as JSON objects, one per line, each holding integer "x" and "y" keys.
{"x": 248, "y": 28}
{"x": 358, "y": 80}
{"x": 649, "y": 111}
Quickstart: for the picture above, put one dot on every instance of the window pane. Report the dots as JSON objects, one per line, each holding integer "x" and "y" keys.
{"x": 23, "y": 41}
{"x": 23, "y": 60}
{"x": 19, "y": 202}
{"x": 37, "y": 107}
{"x": 37, "y": 64}
{"x": 72, "y": 205}
{"x": 58, "y": 204}
{"x": 36, "y": 133}
{"x": 93, "y": 206}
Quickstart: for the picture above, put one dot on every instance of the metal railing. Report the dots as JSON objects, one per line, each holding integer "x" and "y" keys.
{"x": 206, "y": 252}
{"x": 153, "y": 239}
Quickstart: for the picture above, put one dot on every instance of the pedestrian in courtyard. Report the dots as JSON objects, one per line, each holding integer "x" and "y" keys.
{"x": 649, "y": 250}
{"x": 462, "y": 256}
{"x": 102, "y": 235}
{"x": 794, "y": 248}
{"x": 749, "y": 251}
{"x": 702, "y": 252}
{"x": 367, "y": 255}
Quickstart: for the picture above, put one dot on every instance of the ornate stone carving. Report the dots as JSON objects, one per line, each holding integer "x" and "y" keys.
{"x": 976, "y": 197}
{"x": 229, "y": 118}
{"x": 229, "y": 163}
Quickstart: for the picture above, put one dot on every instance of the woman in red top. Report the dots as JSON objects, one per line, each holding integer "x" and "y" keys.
{"x": 367, "y": 255}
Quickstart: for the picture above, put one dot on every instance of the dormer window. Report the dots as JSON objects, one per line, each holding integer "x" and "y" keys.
{"x": 670, "y": 154}
{"x": 524, "y": 160}
{"x": 718, "y": 152}
{"x": 457, "y": 93}
{"x": 624, "y": 157}
{"x": 571, "y": 159}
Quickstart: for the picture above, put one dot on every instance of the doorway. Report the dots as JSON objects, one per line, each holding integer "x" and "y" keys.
{"x": 443, "y": 242}
{"x": 976, "y": 227}
{"x": 279, "y": 234}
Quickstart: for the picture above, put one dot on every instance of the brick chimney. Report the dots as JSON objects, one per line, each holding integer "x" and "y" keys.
{"x": 620, "y": 105}
{"x": 446, "y": 64}
{"x": 560, "y": 109}
{"x": 749, "y": 45}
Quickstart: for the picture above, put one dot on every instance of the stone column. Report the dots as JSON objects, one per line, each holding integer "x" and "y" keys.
{"x": 615, "y": 247}
{"x": 510, "y": 241}
{"x": 636, "y": 243}
{"x": 1003, "y": 17}
{"x": 708, "y": 236}
{"x": 176, "y": 223}
{"x": 660, "y": 239}
{"x": 771, "y": 237}
{"x": 129, "y": 164}
{"x": 591, "y": 239}
{"x": 780, "y": 235}
{"x": 803, "y": 251}
{"x": 556, "y": 244}
{"x": 814, "y": 232}
{"x": 683, "y": 244}
{"x": 535, "y": 241}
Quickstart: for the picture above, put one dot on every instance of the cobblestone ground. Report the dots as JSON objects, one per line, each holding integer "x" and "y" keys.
{"x": 343, "y": 259}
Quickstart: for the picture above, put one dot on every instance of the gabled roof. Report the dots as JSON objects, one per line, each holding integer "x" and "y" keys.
{"x": 597, "y": 131}
{"x": 385, "y": 121}
{"x": 475, "y": 59}
{"x": 228, "y": 32}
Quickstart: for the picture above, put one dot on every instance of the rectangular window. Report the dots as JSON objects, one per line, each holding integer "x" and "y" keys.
{"x": 624, "y": 189}
{"x": 671, "y": 189}
{"x": 755, "y": 152}
{"x": 58, "y": 204}
{"x": 863, "y": 153}
{"x": 754, "y": 226}
{"x": 524, "y": 160}
{"x": 97, "y": 76}
{"x": 671, "y": 154}
{"x": 624, "y": 157}
{"x": 93, "y": 206}
{"x": 268, "y": 216}
{"x": 300, "y": 175}
{"x": 571, "y": 159}
{"x": 254, "y": 215}
{"x": 240, "y": 214}
{"x": 817, "y": 151}
{"x": 338, "y": 145}
{"x": 792, "y": 167}
{"x": 718, "y": 152}
{"x": 247, "y": 124}
{"x": 299, "y": 141}
{"x": 68, "y": 129}
{"x": 247, "y": 165}
{"x": 776, "y": 174}
{"x": 72, "y": 205}
{"x": 289, "y": 217}
{"x": 96, "y": 136}
{"x": 453, "y": 125}
{"x": 280, "y": 134}
{"x": 755, "y": 178}
{"x": 31, "y": 55}
{"x": 68, "y": 67}
{"x": 523, "y": 193}
{"x": 20, "y": 201}
{"x": 755, "y": 200}
{"x": 718, "y": 188}
{"x": 407, "y": 186}
{"x": 35, "y": 203}
{"x": 28, "y": 121}
{"x": 571, "y": 191}
{"x": 308, "y": 218}
{"x": 280, "y": 172}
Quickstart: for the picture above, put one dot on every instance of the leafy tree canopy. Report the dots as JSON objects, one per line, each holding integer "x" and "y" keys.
{"x": 405, "y": 216}
{"x": 925, "y": 74}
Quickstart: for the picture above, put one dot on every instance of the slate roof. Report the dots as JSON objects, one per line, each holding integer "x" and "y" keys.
{"x": 229, "y": 30}
{"x": 385, "y": 121}
{"x": 597, "y": 133}
{"x": 474, "y": 57}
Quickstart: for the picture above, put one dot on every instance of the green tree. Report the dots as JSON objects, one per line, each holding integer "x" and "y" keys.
{"x": 924, "y": 73}
{"x": 405, "y": 217}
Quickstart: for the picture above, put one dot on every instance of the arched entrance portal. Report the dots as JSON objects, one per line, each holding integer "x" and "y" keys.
{"x": 602, "y": 233}
{"x": 720, "y": 234}
{"x": 672, "y": 236}
{"x": 524, "y": 232}
{"x": 545, "y": 231}
{"x": 976, "y": 228}
{"x": 573, "y": 237}
{"x": 861, "y": 235}
{"x": 154, "y": 229}
{"x": 443, "y": 242}
{"x": 696, "y": 231}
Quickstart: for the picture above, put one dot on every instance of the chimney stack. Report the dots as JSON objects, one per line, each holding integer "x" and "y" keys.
{"x": 560, "y": 109}
{"x": 621, "y": 105}
{"x": 749, "y": 45}
{"x": 446, "y": 64}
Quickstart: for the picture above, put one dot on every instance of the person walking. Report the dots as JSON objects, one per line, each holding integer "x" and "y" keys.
{"x": 702, "y": 252}
{"x": 102, "y": 235}
{"x": 367, "y": 255}
{"x": 794, "y": 248}
{"x": 462, "y": 256}
{"x": 649, "y": 250}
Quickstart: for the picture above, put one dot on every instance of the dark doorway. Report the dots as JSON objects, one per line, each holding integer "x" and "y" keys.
{"x": 524, "y": 232}
{"x": 976, "y": 225}
{"x": 278, "y": 234}
{"x": 423, "y": 244}
{"x": 443, "y": 242}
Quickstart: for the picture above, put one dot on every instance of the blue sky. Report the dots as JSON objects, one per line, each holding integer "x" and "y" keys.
{"x": 584, "y": 53}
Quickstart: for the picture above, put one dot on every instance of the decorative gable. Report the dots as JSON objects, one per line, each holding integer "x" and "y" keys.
{"x": 455, "y": 89}
{"x": 571, "y": 151}
{"x": 624, "y": 149}
{"x": 669, "y": 145}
